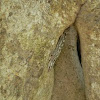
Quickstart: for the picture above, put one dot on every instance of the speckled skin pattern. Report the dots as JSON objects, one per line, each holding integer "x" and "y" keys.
{"x": 56, "y": 52}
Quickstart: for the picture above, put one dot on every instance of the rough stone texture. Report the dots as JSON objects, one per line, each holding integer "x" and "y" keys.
{"x": 88, "y": 26}
{"x": 68, "y": 84}
{"x": 29, "y": 30}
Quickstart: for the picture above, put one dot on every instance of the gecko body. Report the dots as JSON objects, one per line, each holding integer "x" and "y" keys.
{"x": 56, "y": 52}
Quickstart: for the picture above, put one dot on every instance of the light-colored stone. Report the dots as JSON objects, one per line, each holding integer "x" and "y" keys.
{"x": 69, "y": 81}
{"x": 27, "y": 29}
{"x": 88, "y": 26}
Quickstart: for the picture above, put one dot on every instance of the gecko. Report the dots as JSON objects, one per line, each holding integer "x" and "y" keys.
{"x": 56, "y": 52}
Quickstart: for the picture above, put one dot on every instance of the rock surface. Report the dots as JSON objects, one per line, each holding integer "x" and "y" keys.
{"x": 68, "y": 76}
{"x": 88, "y": 26}
{"x": 29, "y": 31}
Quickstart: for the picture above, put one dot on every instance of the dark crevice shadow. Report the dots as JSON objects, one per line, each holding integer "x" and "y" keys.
{"x": 79, "y": 49}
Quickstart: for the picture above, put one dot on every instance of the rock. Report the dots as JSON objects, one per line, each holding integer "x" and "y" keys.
{"x": 69, "y": 81}
{"x": 88, "y": 26}
{"x": 29, "y": 31}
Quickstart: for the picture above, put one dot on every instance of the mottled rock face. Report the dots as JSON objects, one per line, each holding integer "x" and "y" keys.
{"x": 88, "y": 25}
{"x": 29, "y": 30}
